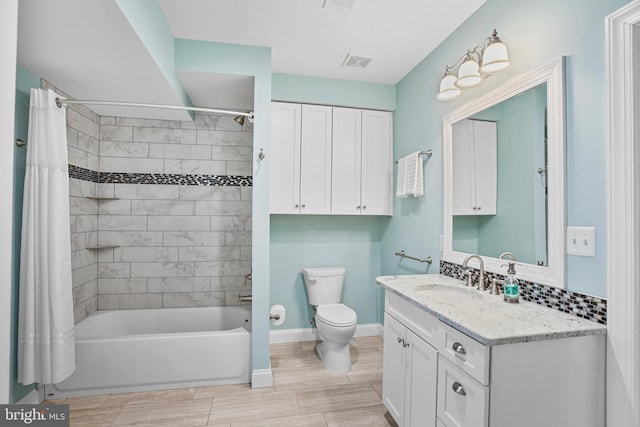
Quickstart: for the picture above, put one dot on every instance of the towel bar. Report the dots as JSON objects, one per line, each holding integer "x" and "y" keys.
{"x": 404, "y": 255}
{"x": 427, "y": 153}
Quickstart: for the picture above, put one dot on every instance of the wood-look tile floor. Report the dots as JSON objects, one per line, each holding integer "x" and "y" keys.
{"x": 303, "y": 394}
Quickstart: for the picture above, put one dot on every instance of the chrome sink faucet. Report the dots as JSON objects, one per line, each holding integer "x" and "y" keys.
{"x": 481, "y": 285}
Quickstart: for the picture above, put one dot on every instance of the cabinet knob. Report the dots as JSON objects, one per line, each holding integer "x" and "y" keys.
{"x": 296, "y": 206}
{"x": 303, "y": 206}
{"x": 459, "y": 348}
{"x": 364, "y": 207}
{"x": 358, "y": 207}
{"x": 457, "y": 388}
{"x": 479, "y": 207}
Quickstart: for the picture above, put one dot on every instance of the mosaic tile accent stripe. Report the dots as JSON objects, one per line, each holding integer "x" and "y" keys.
{"x": 83, "y": 174}
{"x": 581, "y": 305}
{"x": 159, "y": 178}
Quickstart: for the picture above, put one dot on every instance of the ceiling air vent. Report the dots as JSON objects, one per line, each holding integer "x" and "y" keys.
{"x": 356, "y": 61}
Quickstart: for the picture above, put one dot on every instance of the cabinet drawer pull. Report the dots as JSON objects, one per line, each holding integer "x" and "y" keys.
{"x": 401, "y": 341}
{"x": 405, "y": 344}
{"x": 457, "y": 387}
{"x": 458, "y": 348}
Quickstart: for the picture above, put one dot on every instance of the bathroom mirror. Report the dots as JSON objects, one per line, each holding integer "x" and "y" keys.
{"x": 504, "y": 187}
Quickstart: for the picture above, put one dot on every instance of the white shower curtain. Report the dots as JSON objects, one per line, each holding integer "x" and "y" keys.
{"x": 46, "y": 348}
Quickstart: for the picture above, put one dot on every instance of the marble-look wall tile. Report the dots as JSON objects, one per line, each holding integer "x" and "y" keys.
{"x": 193, "y": 299}
{"x": 163, "y": 207}
{"x": 130, "y": 238}
{"x": 179, "y": 151}
{"x": 181, "y": 284}
{"x": 195, "y": 167}
{"x": 194, "y": 238}
{"x": 146, "y": 254}
{"x": 122, "y": 286}
{"x": 179, "y": 245}
{"x": 165, "y": 136}
{"x": 162, "y": 269}
{"x": 129, "y": 301}
{"x": 121, "y": 149}
{"x": 131, "y": 165}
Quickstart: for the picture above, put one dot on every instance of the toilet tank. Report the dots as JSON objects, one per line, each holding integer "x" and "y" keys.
{"x": 324, "y": 285}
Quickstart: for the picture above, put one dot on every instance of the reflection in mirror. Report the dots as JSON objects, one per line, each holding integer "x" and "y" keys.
{"x": 509, "y": 210}
{"x": 504, "y": 174}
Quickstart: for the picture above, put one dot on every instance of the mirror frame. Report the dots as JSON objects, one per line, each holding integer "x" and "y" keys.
{"x": 552, "y": 274}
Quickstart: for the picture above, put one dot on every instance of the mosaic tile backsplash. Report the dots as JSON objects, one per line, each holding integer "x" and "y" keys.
{"x": 581, "y": 305}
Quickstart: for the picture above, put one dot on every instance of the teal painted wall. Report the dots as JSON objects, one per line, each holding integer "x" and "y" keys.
{"x": 344, "y": 93}
{"x": 24, "y": 82}
{"x": 536, "y": 32}
{"x": 249, "y": 61}
{"x": 354, "y": 242}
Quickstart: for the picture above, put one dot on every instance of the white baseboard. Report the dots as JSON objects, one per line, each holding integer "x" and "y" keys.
{"x": 311, "y": 334}
{"x": 34, "y": 397}
{"x": 261, "y": 378}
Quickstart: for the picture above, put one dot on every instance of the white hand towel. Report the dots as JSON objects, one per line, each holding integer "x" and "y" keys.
{"x": 401, "y": 190}
{"x": 410, "y": 174}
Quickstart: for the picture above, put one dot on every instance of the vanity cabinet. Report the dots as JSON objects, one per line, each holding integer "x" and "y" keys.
{"x": 361, "y": 162}
{"x": 475, "y": 166}
{"x": 430, "y": 366}
{"x": 300, "y": 159}
{"x": 330, "y": 160}
{"x": 410, "y": 370}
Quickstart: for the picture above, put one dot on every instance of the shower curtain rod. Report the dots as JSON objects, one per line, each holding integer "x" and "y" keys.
{"x": 60, "y": 101}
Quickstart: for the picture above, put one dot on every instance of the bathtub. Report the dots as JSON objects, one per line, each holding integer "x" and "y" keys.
{"x": 151, "y": 349}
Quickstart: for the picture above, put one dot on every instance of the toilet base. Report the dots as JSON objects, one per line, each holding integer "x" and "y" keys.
{"x": 335, "y": 358}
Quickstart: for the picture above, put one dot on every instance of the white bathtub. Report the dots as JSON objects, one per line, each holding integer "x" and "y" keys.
{"x": 151, "y": 349}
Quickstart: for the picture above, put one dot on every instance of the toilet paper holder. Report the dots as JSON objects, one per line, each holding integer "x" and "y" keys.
{"x": 274, "y": 317}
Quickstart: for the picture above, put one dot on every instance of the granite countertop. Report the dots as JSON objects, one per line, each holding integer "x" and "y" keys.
{"x": 484, "y": 317}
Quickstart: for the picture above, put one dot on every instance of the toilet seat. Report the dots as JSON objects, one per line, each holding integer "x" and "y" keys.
{"x": 336, "y": 315}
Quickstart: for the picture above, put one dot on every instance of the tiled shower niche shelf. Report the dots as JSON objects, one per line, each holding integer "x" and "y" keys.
{"x": 103, "y": 246}
{"x": 103, "y": 198}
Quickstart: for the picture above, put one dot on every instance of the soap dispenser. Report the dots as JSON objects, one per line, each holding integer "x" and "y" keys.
{"x": 511, "y": 285}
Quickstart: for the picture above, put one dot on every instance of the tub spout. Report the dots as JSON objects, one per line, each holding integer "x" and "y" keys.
{"x": 245, "y": 298}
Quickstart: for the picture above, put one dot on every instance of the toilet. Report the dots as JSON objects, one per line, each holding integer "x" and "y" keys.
{"x": 336, "y": 322}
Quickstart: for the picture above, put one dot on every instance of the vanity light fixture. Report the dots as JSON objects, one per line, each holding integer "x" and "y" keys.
{"x": 479, "y": 61}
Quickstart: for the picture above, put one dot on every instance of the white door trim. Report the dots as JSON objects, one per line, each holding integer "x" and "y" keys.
{"x": 8, "y": 46}
{"x": 623, "y": 214}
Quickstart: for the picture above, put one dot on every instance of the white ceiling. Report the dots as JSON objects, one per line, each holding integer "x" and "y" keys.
{"x": 89, "y": 50}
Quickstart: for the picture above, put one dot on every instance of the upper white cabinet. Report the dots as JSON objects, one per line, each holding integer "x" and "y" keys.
{"x": 331, "y": 160}
{"x": 362, "y": 162}
{"x": 301, "y": 159}
{"x": 475, "y": 166}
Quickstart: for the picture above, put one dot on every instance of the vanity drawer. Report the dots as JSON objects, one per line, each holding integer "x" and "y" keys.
{"x": 462, "y": 401}
{"x": 413, "y": 317}
{"x": 465, "y": 353}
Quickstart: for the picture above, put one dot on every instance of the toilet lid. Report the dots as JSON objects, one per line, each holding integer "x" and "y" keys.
{"x": 336, "y": 315}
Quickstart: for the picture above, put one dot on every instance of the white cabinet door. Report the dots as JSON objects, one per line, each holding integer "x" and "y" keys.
{"x": 486, "y": 156}
{"x": 393, "y": 371}
{"x": 346, "y": 161}
{"x": 475, "y": 167}
{"x": 285, "y": 158}
{"x": 422, "y": 363}
{"x": 377, "y": 163}
{"x": 315, "y": 160}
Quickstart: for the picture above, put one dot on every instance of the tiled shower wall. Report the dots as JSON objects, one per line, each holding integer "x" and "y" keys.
{"x": 181, "y": 214}
{"x": 183, "y": 242}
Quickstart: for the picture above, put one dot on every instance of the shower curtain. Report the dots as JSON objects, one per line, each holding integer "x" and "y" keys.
{"x": 46, "y": 346}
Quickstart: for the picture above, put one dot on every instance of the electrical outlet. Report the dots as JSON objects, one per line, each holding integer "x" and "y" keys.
{"x": 581, "y": 241}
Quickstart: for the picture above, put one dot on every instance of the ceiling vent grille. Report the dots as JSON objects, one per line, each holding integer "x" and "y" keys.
{"x": 356, "y": 61}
